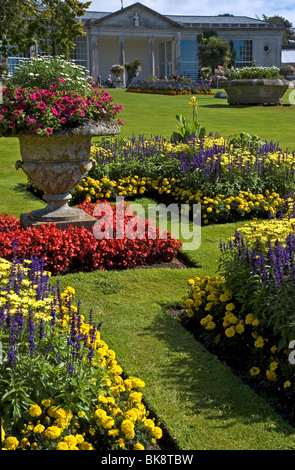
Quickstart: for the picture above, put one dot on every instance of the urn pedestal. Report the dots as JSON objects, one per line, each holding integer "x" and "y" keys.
{"x": 56, "y": 164}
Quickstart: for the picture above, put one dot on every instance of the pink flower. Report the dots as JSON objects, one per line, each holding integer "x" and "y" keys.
{"x": 41, "y": 105}
{"x": 36, "y": 95}
{"x": 63, "y": 120}
{"x": 4, "y": 110}
{"x": 49, "y": 130}
{"x": 62, "y": 80}
{"x": 11, "y": 124}
{"x": 55, "y": 112}
{"x": 53, "y": 86}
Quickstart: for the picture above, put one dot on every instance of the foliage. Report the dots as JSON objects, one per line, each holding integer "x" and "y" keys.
{"x": 287, "y": 70}
{"x": 288, "y": 36}
{"x": 214, "y": 51}
{"x": 256, "y": 71}
{"x": 52, "y": 21}
{"x": 61, "y": 386}
{"x": 16, "y": 26}
{"x": 56, "y": 24}
{"x": 188, "y": 129}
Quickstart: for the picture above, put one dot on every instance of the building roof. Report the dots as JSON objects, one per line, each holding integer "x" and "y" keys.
{"x": 191, "y": 20}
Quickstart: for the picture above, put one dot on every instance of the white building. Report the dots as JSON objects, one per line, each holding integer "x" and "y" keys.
{"x": 166, "y": 44}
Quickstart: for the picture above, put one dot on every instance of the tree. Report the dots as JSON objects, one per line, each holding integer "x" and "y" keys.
{"x": 16, "y": 27}
{"x": 56, "y": 26}
{"x": 289, "y": 30}
{"x": 53, "y": 23}
{"x": 213, "y": 52}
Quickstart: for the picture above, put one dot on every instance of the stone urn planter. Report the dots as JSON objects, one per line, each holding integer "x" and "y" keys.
{"x": 56, "y": 164}
{"x": 255, "y": 91}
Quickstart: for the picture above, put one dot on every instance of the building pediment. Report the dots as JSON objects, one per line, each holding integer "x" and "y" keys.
{"x": 136, "y": 16}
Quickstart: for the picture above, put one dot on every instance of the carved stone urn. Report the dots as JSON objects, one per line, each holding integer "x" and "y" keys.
{"x": 56, "y": 164}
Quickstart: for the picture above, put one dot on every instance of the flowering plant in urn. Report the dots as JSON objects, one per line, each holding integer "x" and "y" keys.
{"x": 54, "y": 112}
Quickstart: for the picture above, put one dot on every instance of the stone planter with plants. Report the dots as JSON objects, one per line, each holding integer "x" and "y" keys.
{"x": 53, "y": 111}
{"x": 255, "y": 85}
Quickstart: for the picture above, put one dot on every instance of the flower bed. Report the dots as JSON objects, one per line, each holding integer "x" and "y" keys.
{"x": 231, "y": 180}
{"x": 245, "y": 313}
{"x": 170, "y": 88}
{"x": 60, "y": 384}
{"x": 78, "y": 249}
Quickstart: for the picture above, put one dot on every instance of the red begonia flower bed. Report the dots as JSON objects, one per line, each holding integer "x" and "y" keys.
{"x": 77, "y": 249}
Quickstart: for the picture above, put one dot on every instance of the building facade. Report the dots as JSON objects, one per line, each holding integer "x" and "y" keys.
{"x": 166, "y": 45}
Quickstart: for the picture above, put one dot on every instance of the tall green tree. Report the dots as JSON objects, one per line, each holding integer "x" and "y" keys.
{"x": 16, "y": 27}
{"x": 53, "y": 23}
{"x": 56, "y": 26}
{"x": 213, "y": 51}
{"x": 289, "y": 30}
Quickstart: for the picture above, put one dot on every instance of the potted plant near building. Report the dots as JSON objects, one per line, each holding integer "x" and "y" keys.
{"x": 255, "y": 85}
{"x": 54, "y": 112}
{"x": 132, "y": 68}
{"x": 117, "y": 70}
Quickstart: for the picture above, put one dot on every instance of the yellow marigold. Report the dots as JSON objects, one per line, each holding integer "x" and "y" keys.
{"x": 230, "y": 307}
{"x": 249, "y": 318}
{"x": 210, "y": 325}
{"x": 254, "y": 371}
{"x": 271, "y": 375}
{"x": 62, "y": 446}
{"x": 53, "y": 432}
{"x": 47, "y": 402}
{"x": 240, "y": 328}
{"x": 35, "y": 411}
{"x": 259, "y": 343}
{"x": 70, "y": 440}
{"x": 138, "y": 446}
{"x": 149, "y": 424}
{"x": 121, "y": 443}
{"x": 287, "y": 384}
{"x": 135, "y": 397}
{"x": 38, "y": 429}
{"x": 273, "y": 366}
{"x": 86, "y": 446}
{"x": 230, "y": 332}
{"x": 24, "y": 443}
{"x": 127, "y": 427}
{"x": 157, "y": 432}
{"x": 11, "y": 443}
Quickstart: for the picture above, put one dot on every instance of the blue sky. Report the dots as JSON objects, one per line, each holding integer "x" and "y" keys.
{"x": 284, "y": 8}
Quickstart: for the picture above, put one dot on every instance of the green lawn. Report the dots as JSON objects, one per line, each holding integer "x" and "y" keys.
{"x": 155, "y": 115}
{"x": 195, "y": 396}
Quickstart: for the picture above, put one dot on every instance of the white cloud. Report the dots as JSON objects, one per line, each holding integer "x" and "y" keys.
{"x": 284, "y": 8}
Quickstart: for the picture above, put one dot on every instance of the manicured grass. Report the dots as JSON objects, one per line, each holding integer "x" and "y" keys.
{"x": 196, "y": 397}
{"x": 155, "y": 115}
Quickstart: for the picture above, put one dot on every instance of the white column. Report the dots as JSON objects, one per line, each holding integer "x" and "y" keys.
{"x": 122, "y": 57}
{"x": 94, "y": 67}
{"x": 152, "y": 56}
{"x": 177, "y": 55}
